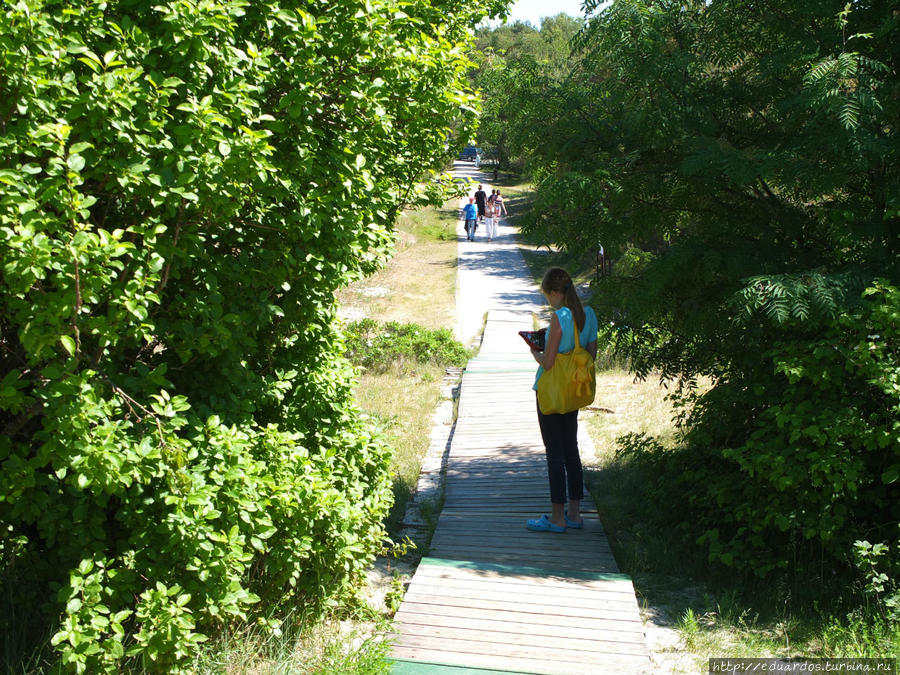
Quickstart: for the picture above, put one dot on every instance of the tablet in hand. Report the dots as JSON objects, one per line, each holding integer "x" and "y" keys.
{"x": 536, "y": 339}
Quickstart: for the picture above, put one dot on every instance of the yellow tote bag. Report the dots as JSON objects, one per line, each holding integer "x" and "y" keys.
{"x": 571, "y": 383}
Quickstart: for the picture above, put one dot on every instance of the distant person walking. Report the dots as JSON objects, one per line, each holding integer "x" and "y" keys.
{"x": 480, "y": 200}
{"x": 499, "y": 207}
{"x": 560, "y": 431}
{"x": 490, "y": 225}
{"x": 470, "y": 213}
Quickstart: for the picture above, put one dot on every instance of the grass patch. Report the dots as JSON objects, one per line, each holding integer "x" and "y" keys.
{"x": 357, "y": 646}
{"x": 376, "y": 346}
{"x": 418, "y": 283}
{"x": 431, "y": 223}
{"x": 631, "y": 406}
{"x": 401, "y": 403}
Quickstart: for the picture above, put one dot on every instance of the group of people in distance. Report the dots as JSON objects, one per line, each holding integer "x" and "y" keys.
{"x": 482, "y": 208}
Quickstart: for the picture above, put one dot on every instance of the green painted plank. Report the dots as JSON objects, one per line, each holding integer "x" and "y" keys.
{"x": 523, "y": 569}
{"x": 408, "y": 667}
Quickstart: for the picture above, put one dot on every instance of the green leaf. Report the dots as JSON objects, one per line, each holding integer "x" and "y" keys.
{"x": 78, "y": 148}
{"x": 75, "y": 162}
{"x": 68, "y": 344}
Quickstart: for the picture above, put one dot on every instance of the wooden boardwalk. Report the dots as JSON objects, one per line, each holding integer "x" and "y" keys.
{"x": 491, "y": 596}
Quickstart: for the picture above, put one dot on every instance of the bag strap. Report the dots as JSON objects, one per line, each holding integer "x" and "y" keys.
{"x": 575, "y": 329}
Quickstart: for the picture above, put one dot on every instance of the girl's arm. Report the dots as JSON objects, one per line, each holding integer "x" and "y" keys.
{"x": 547, "y": 358}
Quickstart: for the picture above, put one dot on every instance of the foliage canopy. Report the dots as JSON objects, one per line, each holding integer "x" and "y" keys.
{"x": 741, "y": 167}
{"x": 184, "y": 185}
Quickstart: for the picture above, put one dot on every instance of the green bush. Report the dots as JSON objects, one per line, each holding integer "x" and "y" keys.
{"x": 185, "y": 183}
{"x": 817, "y": 462}
{"x": 377, "y": 346}
{"x": 739, "y": 168}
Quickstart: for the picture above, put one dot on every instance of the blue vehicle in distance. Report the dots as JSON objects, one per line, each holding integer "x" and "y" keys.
{"x": 469, "y": 153}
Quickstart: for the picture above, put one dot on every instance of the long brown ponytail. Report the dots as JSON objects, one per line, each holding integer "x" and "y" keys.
{"x": 557, "y": 279}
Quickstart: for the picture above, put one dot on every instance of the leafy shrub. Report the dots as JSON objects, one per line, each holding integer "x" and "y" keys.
{"x": 817, "y": 457}
{"x": 184, "y": 186}
{"x": 879, "y": 567}
{"x": 377, "y": 346}
{"x": 764, "y": 228}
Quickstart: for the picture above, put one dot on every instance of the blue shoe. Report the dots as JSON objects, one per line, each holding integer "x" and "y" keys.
{"x": 572, "y": 523}
{"x": 543, "y": 524}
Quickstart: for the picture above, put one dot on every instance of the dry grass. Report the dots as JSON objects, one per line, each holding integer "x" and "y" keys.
{"x": 628, "y": 406}
{"x": 402, "y": 404}
{"x": 328, "y": 646}
{"x": 418, "y": 283}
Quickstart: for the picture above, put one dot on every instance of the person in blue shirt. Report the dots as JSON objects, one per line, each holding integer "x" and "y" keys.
{"x": 560, "y": 431}
{"x": 471, "y": 216}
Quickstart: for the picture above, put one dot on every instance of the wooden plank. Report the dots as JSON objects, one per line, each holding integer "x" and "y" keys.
{"x": 611, "y": 642}
{"x": 515, "y": 586}
{"x": 514, "y": 527}
{"x": 481, "y": 473}
{"x": 522, "y": 666}
{"x": 549, "y": 556}
{"x": 593, "y": 547}
{"x": 562, "y": 622}
{"x": 582, "y": 550}
{"x": 538, "y": 493}
{"x": 455, "y": 569}
{"x": 512, "y": 521}
{"x": 524, "y": 605}
{"x": 614, "y": 630}
{"x": 570, "y": 563}
{"x": 550, "y": 597}
{"x": 556, "y": 652}
{"x": 412, "y": 667}
{"x": 566, "y": 652}
{"x": 481, "y": 447}
{"x": 585, "y": 548}
{"x": 477, "y": 476}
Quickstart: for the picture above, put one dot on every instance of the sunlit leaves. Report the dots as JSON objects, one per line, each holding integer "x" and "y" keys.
{"x": 184, "y": 185}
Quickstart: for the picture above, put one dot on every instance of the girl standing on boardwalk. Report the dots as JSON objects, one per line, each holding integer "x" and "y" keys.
{"x": 560, "y": 431}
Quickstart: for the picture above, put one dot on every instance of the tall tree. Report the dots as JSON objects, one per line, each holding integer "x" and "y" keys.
{"x": 742, "y": 167}
{"x": 507, "y": 58}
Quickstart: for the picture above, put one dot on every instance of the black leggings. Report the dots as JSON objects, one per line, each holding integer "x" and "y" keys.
{"x": 560, "y": 434}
